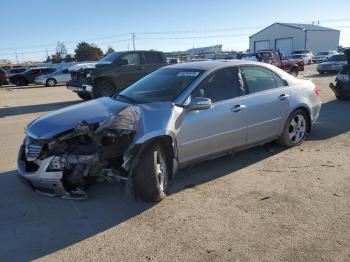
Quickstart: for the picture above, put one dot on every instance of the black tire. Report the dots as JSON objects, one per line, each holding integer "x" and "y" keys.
{"x": 21, "y": 82}
{"x": 341, "y": 98}
{"x": 294, "y": 72}
{"x": 103, "y": 88}
{"x": 146, "y": 177}
{"x": 300, "y": 133}
{"x": 320, "y": 72}
{"x": 51, "y": 82}
{"x": 84, "y": 96}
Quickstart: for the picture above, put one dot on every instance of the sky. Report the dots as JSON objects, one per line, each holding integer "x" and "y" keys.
{"x": 29, "y": 28}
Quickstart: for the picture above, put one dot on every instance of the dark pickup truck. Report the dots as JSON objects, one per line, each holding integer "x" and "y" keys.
{"x": 114, "y": 73}
{"x": 276, "y": 58}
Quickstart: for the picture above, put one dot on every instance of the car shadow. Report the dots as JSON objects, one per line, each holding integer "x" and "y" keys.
{"x": 334, "y": 120}
{"x": 19, "y": 110}
{"x": 33, "y": 226}
{"x": 324, "y": 75}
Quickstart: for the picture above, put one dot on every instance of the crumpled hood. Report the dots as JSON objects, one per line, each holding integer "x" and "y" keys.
{"x": 62, "y": 120}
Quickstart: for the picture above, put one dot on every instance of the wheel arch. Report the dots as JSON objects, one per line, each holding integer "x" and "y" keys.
{"x": 307, "y": 113}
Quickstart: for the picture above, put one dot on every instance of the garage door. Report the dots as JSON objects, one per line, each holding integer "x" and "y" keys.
{"x": 261, "y": 45}
{"x": 285, "y": 45}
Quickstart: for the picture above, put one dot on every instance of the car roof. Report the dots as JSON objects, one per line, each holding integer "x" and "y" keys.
{"x": 211, "y": 64}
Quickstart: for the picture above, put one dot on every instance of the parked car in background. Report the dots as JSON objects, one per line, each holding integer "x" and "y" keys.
{"x": 333, "y": 65}
{"x": 276, "y": 58}
{"x": 172, "y": 60}
{"x": 117, "y": 71}
{"x": 303, "y": 51}
{"x": 3, "y": 77}
{"x": 80, "y": 79}
{"x": 28, "y": 76}
{"x": 60, "y": 76}
{"x": 303, "y": 57}
{"x": 16, "y": 70}
{"x": 341, "y": 88}
{"x": 174, "y": 117}
{"x": 324, "y": 56}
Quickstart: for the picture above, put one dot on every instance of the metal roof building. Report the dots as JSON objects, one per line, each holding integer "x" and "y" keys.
{"x": 288, "y": 37}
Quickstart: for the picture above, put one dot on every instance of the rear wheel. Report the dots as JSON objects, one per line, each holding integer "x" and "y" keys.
{"x": 84, "y": 96}
{"x": 295, "y": 129}
{"x": 151, "y": 175}
{"x": 51, "y": 82}
{"x": 102, "y": 88}
{"x": 294, "y": 72}
{"x": 21, "y": 82}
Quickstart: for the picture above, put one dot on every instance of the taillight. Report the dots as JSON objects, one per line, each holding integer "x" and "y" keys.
{"x": 316, "y": 91}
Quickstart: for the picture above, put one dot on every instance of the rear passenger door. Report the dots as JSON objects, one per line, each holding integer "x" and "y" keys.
{"x": 267, "y": 103}
{"x": 151, "y": 62}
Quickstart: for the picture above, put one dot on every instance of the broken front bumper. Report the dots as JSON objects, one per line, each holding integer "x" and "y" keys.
{"x": 41, "y": 181}
{"x": 79, "y": 87}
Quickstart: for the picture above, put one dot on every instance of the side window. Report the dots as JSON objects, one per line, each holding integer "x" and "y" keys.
{"x": 35, "y": 71}
{"x": 222, "y": 85}
{"x": 152, "y": 58}
{"x": 133, "y": 59}
{"x": 65, "y": 71}
{"x": 260, "y": 79}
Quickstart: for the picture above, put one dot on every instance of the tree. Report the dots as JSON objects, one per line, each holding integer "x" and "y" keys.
{"x": 87, "y": 52}
{"x": 61, "y": 50}
{"x": 68, "y": 58}
{"x": 110, "y": 50}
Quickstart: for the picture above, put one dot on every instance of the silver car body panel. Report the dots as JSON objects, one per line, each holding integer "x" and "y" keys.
{"x": 61, "y": 76}
{"x": 195, "y": 135}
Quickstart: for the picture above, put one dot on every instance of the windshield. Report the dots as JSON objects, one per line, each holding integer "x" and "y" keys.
{"x": 322, "y": 53}
{"x": 160, "y": 86}
{"x": 297, "y": 56}
{"x": 301, "y": 52}
{"x": 110, "y": 58}
{"x": 337, "y": 58}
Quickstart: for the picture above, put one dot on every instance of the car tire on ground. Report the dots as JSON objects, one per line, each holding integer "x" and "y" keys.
{"x": 84, "y": 96}
{"x": 50, "y": 82}
{"x": 21, "y": 82}
{"x": 294, "y": 72}
{"x": 295, "y": 129}
{"x": 103, "y": 88}
{"x": 341, "y": 98}
{"x": 320, "y": 72}
{"x": 151, "y": 174}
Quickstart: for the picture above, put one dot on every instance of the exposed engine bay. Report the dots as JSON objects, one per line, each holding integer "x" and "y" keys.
{"x": 87, "y": 154}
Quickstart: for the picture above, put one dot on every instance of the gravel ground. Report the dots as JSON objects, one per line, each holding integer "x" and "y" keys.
{"x": 264, "y": 204}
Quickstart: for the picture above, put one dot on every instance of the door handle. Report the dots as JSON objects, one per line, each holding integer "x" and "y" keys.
{"x": 283, "y": 97}
{"x": 238, "y": 108}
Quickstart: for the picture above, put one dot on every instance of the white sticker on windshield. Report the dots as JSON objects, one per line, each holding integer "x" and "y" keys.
{"x": 188, "y": 74}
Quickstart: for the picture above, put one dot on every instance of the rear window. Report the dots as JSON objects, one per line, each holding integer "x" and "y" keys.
{"x": 152, "y": 58}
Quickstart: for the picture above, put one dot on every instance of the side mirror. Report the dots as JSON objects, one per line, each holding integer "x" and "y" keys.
{"x": 122, "y": 62}
{"x": 199, "y": 103}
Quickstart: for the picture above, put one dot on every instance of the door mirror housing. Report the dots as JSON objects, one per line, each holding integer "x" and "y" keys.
{"x": 199, "y": 103}
{"x": 123, "y": 62}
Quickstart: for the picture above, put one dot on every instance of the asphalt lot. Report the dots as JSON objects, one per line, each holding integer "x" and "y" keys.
{"x": 264, "y": 204}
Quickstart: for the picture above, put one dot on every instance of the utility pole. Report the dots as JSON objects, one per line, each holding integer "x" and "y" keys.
{"x": 133, "y": 40}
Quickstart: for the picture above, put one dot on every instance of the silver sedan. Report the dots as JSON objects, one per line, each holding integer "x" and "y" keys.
{"x": 174, "y": 117}
{"x": 60, "y": 76}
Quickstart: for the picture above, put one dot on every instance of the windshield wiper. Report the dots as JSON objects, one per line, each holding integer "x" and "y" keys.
{"x": 127, "y": 98}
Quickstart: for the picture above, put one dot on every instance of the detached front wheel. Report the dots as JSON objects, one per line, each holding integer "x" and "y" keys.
{"x": 151, "y": 175}
{"x": 295, "y": 129}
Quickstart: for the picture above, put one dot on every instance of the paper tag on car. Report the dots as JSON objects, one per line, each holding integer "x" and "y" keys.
{"x": 188, "y": 74}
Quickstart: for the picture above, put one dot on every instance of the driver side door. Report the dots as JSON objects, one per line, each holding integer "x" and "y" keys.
{"x": 222, "y": 127}
{"x": 129, "y": 73}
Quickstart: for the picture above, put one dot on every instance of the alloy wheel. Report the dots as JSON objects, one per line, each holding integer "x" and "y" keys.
{"x": 297, "y": 128}
{"x": 161, "y": 170}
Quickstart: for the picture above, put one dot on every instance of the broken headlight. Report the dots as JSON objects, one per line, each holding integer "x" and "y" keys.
{"x": 57, "y": 164}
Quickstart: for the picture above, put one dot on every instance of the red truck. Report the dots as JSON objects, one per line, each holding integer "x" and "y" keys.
{"x": 276, "y": 58}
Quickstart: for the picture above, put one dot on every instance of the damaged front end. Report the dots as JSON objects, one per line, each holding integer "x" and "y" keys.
{"x": 63, "y": 166}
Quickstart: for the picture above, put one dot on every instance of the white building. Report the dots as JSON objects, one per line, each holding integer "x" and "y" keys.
{"x": 288, "y": 37}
